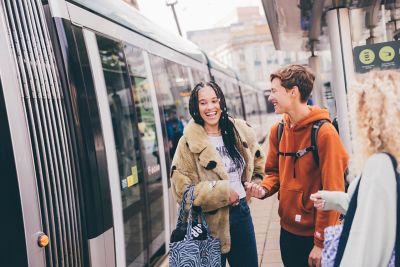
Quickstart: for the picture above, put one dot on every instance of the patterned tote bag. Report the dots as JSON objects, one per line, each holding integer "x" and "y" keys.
{"x": 336, "y": 236}
{"x": 190, "y": 252}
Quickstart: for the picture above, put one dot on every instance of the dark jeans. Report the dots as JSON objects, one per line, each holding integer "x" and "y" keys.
{"x": 295, "y": 249}
{"x": 243, "y": 251}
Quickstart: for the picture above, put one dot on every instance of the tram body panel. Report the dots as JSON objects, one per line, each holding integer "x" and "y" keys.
{"x": 20, "y": 186}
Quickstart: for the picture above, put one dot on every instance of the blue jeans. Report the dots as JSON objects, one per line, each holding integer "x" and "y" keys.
{"x": 243, "y": 251}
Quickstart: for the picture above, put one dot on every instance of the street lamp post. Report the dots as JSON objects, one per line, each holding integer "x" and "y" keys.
{"x": 172, "y": 4}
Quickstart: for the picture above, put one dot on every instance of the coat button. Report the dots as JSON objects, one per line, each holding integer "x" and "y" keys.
{"x": 211, "y": 165}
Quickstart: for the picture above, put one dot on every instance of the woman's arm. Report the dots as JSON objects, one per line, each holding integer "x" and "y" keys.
{"x": 331, "y": 200}
{"x": 210, "y": 195}
{"x": 334, "y": 200}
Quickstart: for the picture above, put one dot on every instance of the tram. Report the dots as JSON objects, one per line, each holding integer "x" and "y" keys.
{"x": 93, "y": 98}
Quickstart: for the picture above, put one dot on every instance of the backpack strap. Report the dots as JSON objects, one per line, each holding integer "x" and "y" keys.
{"x": 314, "y": 146}
{"x": 280, "y": 132}
{"x": 295, "y": 155}
{"x": 350, "y": 216}
{"x": 314, "y": 135}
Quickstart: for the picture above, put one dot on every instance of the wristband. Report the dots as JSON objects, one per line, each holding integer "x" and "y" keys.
{"x": 266, "y": 192}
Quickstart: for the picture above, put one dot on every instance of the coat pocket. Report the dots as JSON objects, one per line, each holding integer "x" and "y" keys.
{"x": 292, "y": 210}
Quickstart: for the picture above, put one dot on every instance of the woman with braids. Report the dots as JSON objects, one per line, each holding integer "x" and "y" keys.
{"x": 218, "y": 154}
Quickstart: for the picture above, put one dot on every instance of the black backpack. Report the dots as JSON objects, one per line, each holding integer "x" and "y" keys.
{"x": 313, "y": 148}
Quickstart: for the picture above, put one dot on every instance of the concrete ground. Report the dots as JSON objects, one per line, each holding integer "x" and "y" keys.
{"x": 267, "y": 229}
{"x": 266, "y": 221}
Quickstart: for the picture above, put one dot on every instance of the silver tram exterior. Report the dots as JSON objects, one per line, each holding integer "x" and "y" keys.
{"x": 93, "y": 98}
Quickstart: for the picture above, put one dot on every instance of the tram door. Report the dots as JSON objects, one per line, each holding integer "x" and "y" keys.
{"x": 137, "y": 169}
{"x": 14, "y": 252}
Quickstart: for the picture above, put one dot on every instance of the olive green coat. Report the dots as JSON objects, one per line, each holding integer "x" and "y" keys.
{"x": 197, "y": 162}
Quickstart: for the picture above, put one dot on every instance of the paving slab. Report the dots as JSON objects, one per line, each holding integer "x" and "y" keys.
{"x": 267, "y": 228}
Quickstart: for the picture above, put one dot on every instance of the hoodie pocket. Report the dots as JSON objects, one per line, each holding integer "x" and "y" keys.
{"x": 292, "y": 210}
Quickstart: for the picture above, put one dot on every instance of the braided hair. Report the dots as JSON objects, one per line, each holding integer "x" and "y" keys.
{"x": 228, "y": 130}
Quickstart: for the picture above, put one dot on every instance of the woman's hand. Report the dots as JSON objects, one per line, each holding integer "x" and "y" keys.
{"x": 319, "y": 202}
{"x": 254, "y": 190}
{"x": 233, "y": 198}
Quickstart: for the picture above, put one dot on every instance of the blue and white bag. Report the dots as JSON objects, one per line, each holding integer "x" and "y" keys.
{"x": 190, "y": 252}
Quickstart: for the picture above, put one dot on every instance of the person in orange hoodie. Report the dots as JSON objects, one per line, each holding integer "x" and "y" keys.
{"x": 296, "y": 178}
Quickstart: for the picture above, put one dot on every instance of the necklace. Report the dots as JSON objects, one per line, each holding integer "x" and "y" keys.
{"x": 214, "y": 133}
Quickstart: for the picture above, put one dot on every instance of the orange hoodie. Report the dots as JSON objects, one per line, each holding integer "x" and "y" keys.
{"x": 296, "y": 181}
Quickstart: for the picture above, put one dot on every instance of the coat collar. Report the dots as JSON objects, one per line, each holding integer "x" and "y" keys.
{"x": 196, "y": 137}
{"x": 199, "y": 143}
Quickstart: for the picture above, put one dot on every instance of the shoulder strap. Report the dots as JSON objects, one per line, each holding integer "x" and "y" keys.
{"x": 280, "y": 131}
{"x": 190, "y": 217}
{"x": 314, "y": 135}
{"x": 189, "y": 224}
{"x": 182, "y": 208}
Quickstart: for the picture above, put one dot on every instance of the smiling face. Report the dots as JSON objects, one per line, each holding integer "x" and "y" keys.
{"x": 209, "y": 107}
{"x": 280, "y": 97}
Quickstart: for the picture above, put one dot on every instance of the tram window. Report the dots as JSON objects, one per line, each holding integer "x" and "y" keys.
{"x": 124, "y": 117}
{"x": 148, "y": 137}
{"x": 172, "y": 85}
{"x": 234, "y": 96}
{"x": 251, "y": 108}
{"x": 198, "y": 76}
{"x": 228, "y": 95}
{"x": 144, "y": 111}
{"x": 238, "y": 101}
{"x": 238, "y": 105}
{"x": 223, "y": 87}
{"x": 262, "y": 104}
{"x": 227, "y": 89}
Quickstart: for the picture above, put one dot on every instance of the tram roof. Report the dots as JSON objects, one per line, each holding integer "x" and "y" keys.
{"x": 127, "y": 16}
{"x": 216, "y": 65}
{"x": 291, "y": 21}
{"x": 221, "y": 68}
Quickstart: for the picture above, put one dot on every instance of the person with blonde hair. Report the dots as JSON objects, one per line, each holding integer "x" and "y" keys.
{"x": 374, "y": 107}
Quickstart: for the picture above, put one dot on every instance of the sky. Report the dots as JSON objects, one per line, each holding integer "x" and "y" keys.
{"x": 192, "y": 14}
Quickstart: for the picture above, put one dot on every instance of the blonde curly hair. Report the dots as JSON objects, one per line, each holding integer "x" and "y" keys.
{"x": 374, "y": 103}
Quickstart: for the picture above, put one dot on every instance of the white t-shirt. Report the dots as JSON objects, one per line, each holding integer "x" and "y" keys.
{"x": 234, "y": 173}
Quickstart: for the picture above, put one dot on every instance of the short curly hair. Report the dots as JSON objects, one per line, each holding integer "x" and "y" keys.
{"x": 375, "y": 116}
{"x": 296, "y": 75}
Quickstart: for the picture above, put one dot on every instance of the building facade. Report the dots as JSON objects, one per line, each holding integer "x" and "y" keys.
{"x": 243, "y": 42}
